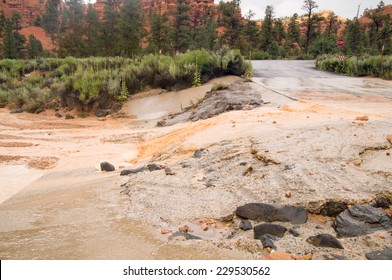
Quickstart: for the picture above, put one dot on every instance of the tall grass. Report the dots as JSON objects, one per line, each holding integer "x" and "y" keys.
{"x": 376, "y": 66}
{"x": 101, "y": 82}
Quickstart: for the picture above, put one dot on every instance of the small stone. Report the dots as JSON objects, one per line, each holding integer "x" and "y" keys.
{"x": 154, "y": 167}
{"x": 274, "y": 122}
{"x": 200, "y": 153}
{"x": 204, "y": 227}
{"x": 58, "y": 115}
{"x": 267, "y": 228}
{"x": 385, "y": 254}
{"x": 166, "y": 231}
{"x": 267, "y": 241}
{"x": 125, "y": 191}
{"x": 388, "y": 153}
{"x": 69, "y": 117}
{"x": 288, "y": 194}
{"x": 333, "y": 257}
{"x": 16, "y": 111}
{"x": 161, "y": 123}
{"x": 362, "y": 118}
{"x": 245, "y": 225}
{"x": 308, "y": 257}
{"x": 325, "y": 240}
{"x": 294, "y": 232}
{"x": 168, "y": 171}
{"x": 106, "y": 166}
{"x": 280, "y": 256}
{"x": 243, "y": 163}
{"x": 248, "y": 171}
{"x": 357, "y": 162}
{"x": 382, "y": 202}
{"x": 332, "y": 208}
{"x": 184, "y": 228}
{"x": 389, "y": 138}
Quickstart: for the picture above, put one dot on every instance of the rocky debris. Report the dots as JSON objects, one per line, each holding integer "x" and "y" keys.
{"x": 154, "y": 167}
{"x": 271, "y": 213}
{"x": 184, "y": 228}
{"x": 248, "y": 171}
{"x": 382, "y": 202}
{"x": 168, "y": 171}
{"x": 324, "y": 240}
{"x": 361, "y": 220}
{"x": 199, "y": 153}
{"x": 69, "y": 117}
{"x": 268, "y": 241}
{"x": 332, "y": 208}
{"x": 16, "y": 111}
{"x": 245, "y": 225}
{"x": 362, "y": 118}
{"x": 334, "y": 257}
{"x": 282, "y": 256}
{"x": 58, "y": 115}
{"x": 287, "y": 194}
{"x": 100, "y": 113}
{"x": 132, "y": 171}
{"x": 267, "y": 228}
{"x": 385, "y": 254}
{"x": 106, "y": 166}
{"x": 389, "y": 138}
{"x": 166, "y": 231}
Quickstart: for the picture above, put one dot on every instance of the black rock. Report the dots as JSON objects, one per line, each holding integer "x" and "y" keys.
{"x": 58, "y": 115}
{"x": 268, "y": 241}
{"x": 106, "y": 166}
{"x": 200, "y": 153}
{"x": 273, "y": 229}
{"x": 294, "y": 232}
{"x": 16, "y": 111}
{"x": 271, "y": 213}
{"x": 161, "y": 123}
{"x": 125, "y": 191}
{"x": 325, "y": 240}
{"x": 243, "y": 163}
{"x": 100, "y": 113}
{"x": 154, "y": 167}
{"x": 332, "y": 209}
{"x": 168, "y": 171}
{"x": 385, "y": 254}
{"x": 361, "y": 220}
{"x": 245, "y": 225}
{"x": 69, "y": 117}
{"x": 132, "y": 171}
{"x": 186, "y": 235}
{"x": 382, "y": 202}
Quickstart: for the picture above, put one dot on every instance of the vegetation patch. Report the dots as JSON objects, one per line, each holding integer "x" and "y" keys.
{"x": 89, "y": 84}
{"x": 375, "y": 66}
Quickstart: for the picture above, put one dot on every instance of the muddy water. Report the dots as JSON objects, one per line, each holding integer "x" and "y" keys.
{"x": 154, "y": 108}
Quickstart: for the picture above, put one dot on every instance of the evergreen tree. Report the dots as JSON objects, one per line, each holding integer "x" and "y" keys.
{"x": 311, "y": 20}
{"x": 72, "y": 29}
{"x": 353, "y": 35}
{"x": 251, "y": 33}
{"x": 332, "y": 23}
{"x": 293, "y": 36}
{"x": 13, "y": 41}
{"x": 158, "y": 39}
{"x": 204, "y": 32}
{"x": 181, "y": 32}
{"x": 267, "y": 30}
{"x": 379, "y": 27}
{"x": 231, "y": 21}
{"x": 130, "y": 27}
{"x": 51, "y": 18}
{"x": 34, "y": 47}
{"x": 93, "y": 27}
{"x": 109, "y": 32}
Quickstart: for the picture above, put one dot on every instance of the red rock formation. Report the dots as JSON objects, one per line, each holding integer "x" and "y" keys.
{"x": 28, "y": 9}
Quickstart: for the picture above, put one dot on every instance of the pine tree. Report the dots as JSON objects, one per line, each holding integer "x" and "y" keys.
{"x": 109, "y": 32}
{"x": 51, "y": 18}
{"x": 251, "y": 33}
{"x": 181, "y": 32}
{"x": 379, "y": 27}
{"x": 311, "y": 19}
{"x": 93, "y": 27}
{"x": 13, "y": 42}
{"x": 353, "y": 35}
{"x": 231, "y": 21}
{"x": 130, "y": 27}
{"x": 204, "y": 32}
{"x": 158, "y": 39}
{"x": 34, "y": 47}
{"x": 267, "y": 32}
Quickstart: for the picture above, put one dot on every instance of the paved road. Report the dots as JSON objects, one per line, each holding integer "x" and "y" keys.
{"x": 300, "y": 77}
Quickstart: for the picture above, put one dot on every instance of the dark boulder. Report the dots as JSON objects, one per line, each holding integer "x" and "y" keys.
{"x": 325, "y": 240}
{"x": 154, "y": 167}
{"x": 106, "y": 166}
{"x": 361, "y": 220}
{"x": 69, "y": 117}
{"x": 271, "y": 213}
{"x": 294, "y": 232}
{"x": 382, "y": 202}
{"x": 267, "y": 228}
{"x": 245, "y": 225}
{"x": 132, "y": 171}
{"x": 385, "y": 254}
{"x": 58, "y": 115}
{"x": 16, "y": 111}
{"x": 332, "y": 209}
{"x": 161, "y": 123}
{"x": 100, "y": 113}
{"x": 200, "y": 153}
